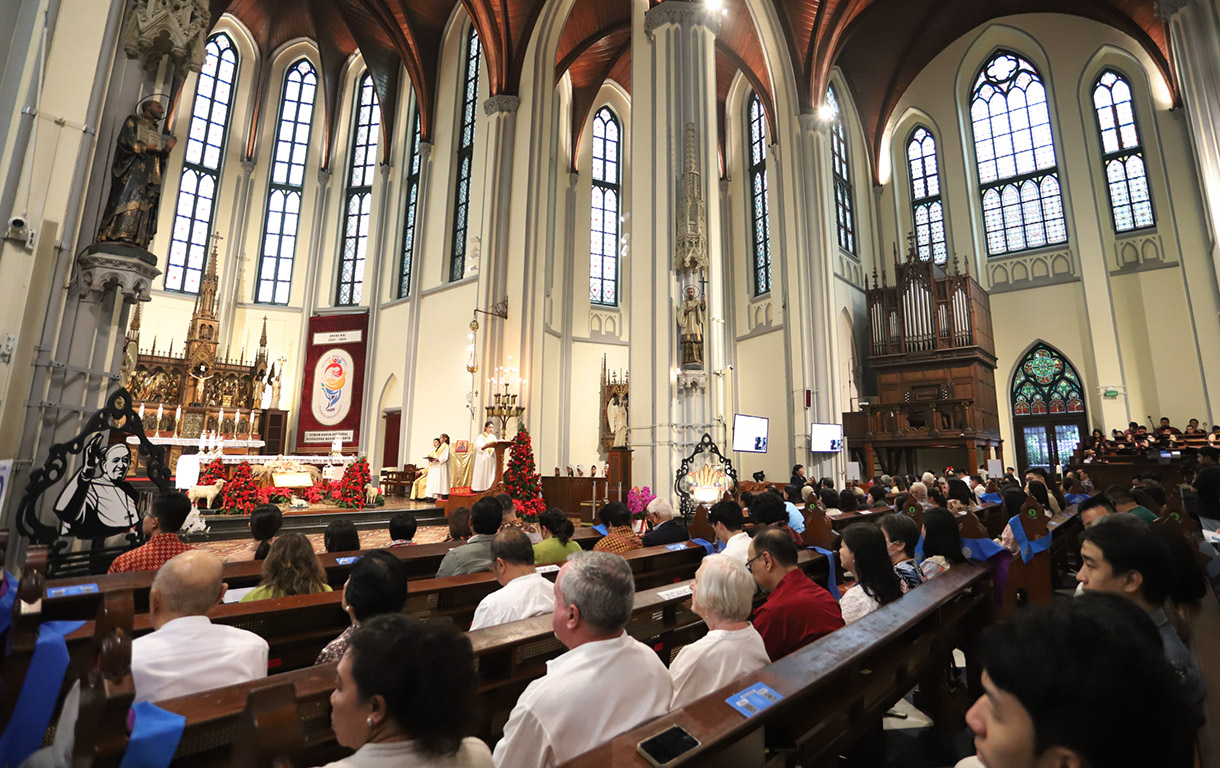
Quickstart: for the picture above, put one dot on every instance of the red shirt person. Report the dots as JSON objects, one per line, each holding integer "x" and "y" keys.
{"x": 169, "y": 512}
{"x": 798, "y": 611}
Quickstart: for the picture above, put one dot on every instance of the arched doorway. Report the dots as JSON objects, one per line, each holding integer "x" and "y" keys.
{"x": 1048, "y": 410}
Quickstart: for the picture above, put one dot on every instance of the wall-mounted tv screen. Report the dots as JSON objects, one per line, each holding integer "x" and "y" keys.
{"x": 750, "y": 433}
{"x": 825, "y": 438}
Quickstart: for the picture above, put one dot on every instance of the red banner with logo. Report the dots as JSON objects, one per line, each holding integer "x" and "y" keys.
{"x": 333, "y": 382}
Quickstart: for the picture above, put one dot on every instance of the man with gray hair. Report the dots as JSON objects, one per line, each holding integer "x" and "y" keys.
{"x": 665, "y": 530}
{"x": 605, "y": 684}
{"x": 919, "y": 492}
{"x": 524, "y": 592}
{"x": 187, "y": 653}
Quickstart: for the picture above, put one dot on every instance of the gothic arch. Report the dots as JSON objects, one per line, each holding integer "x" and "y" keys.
{"x": 1049, "y": 414}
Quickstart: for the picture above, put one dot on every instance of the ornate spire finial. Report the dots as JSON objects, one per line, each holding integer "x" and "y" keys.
{"x": 262, "y": 340}
{"x": 966, "y": 262}
{"x": 874, "y": 275}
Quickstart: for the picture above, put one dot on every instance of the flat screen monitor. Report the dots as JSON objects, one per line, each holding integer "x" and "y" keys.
{"x": 825, "y": 438}
{"x": 750, "y": 433}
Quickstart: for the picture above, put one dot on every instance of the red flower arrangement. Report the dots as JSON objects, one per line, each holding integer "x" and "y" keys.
{"x": 349, "y": 492}
{"x": 522, "y": 480}
{"x": 240, "y": 494}
{"x": 315, "y": 494}
{"x": 215, "y": 470}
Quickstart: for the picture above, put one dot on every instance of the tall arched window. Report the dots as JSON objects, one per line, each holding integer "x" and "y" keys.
{"x": 465, "y": 156}
{"x": 408, "y": 226}
{"x": 287, "y": 182}
{"x": 606, "y": 205}
{"x": 1048, "y": 408}
{"x": 760, "y": 208}
{"x": 358, "y": 200}
{"x": 205, "y": 144}
{"x": 841, "y": 167}
{"x": 927, "y": 209}
{"x": 1122, "y": 153}
{"x": 1015, "y": 151}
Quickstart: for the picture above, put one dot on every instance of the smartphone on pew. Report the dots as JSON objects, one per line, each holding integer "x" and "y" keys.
{"x": 667, "y": 746}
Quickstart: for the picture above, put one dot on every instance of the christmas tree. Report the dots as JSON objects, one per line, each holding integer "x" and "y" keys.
{"x": 350, "y": 490}
{"x": 521, "y": 479}
{"x": 215, "y": 470}
{"x": 240, "y": 494}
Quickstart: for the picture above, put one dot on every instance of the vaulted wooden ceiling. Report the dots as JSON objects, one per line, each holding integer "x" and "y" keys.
{"x": 880, "y": 45}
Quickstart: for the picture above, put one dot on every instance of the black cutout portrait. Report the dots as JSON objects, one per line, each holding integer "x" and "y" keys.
{"x": 97, "y": 501}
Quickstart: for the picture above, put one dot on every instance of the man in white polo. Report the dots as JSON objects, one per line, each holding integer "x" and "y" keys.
{"x": 523, "y": 592}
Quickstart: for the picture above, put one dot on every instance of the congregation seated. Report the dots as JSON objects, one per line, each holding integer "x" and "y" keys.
{"x": 901, "y": 537}
{"x": 291, "y": 568}
{"x": 377, "y": 584}
{"x": 1124, "y": 501}
{"x": 665, "y": 530}
{"x": 797, "y": 610}
{"x": 265, "y": 522}
{"x": 848, "y": 501}
{"x": 1145, "y": 564}
{"x": 942, "y": 543}
{"x": 459, "y": 525}
{"x": 606, "y": 683}
{"x": 523, "y": 591}
{"x": 161, "y": 526}
{"x": 830, "y": 500}
{"x": 475, "y": 555}
{"x": 919, "y": 492}
{"x": 1193, "y": 428}
{"x": 960, "y": 497}
{"x": 619, "y": 536}
{"x": 186, "y": 653}
{"x": 402, "y": 530}
{"x": 728, "y": 522}
{"x": 862, "y": 553}
{"x": 341, "y": 536}
{"x": 1166, "y": 428}
{"x": 768, "y": 509}
{"x": 722, "y": 595}
{"x": 556, "y": 542}
{"x": 1096, "y": 650}
{"x": 403, "y": 696}
{"x": 876, "y": 497}
{"x": 792, "y": 497}
{"x": 1093, "y": 509}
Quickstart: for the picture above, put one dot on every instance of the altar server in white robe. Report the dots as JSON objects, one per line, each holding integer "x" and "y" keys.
{"x": 438, "y": 469}
{"x": 722, "y": 596}
{"x": 485, "y": 459}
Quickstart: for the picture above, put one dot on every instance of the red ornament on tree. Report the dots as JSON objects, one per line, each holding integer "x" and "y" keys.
{"x": 240, "y": 494}
{"x": 522, "y": 480}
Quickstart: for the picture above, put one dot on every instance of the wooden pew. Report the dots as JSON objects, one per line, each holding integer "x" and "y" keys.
{"x": 509, "y": 657}
{"x": 1205, "y": 628}
{"x": 838, "y": 687}
{"x": 421, "y": 561}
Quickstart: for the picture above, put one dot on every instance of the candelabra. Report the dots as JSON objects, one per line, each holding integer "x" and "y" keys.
{"x": 504, "y": 407}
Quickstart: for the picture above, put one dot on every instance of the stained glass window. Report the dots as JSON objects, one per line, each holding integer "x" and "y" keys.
{"x": 465, "y": 156}
{"x": 927, "y": 208}
{"x": 408, "y": 226}
{"x": 1122, "y": 154}
{"x": 1015, "y": 152}
{"x": 841, "y": 174}
{"x": 283, "y": 213}
{"x": 760, "y": 208}
{"x": 358, "y": 201}
{"x": 605, "y": 209}
{"x": 1046, "y": 384}
{"x": 205, "y": 144}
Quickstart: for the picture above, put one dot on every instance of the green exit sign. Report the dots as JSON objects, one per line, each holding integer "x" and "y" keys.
{"x": 1111, "y": 393}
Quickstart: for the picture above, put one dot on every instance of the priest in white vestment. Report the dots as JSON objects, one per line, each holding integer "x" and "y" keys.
{"x": 484, "y": 459}
{"x": 438, "y": 469}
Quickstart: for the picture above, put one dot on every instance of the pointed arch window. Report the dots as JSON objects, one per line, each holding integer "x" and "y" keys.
{"x": 605, "y": 209}
{"x": 408, "y": 227}
{"x": 203, "y": 159}
{"x": 1122, "y": 153}
{"x": 283, "y": 214}
{"x": 465, "y": 156}
{"x": 358, "y": 199}
{"x": 760, "y": 207}
{"x": 841, "y": 175}
{"x": 1015, "y": 152}
{"x": 927, "y": 208}
{"x": 1046, "y": 384}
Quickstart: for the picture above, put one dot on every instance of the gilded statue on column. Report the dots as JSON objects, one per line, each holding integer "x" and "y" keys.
{"x": 137, "y": 173}
{"x": 692, "y": 313}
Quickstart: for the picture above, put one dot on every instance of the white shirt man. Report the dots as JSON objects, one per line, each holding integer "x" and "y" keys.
{"x": 727, "y": 521}
{"x": 606, "y": 683}
{"x": 188, "y": 653}
{"x": 738, "y": 546}
{"x": 524, "y": 592}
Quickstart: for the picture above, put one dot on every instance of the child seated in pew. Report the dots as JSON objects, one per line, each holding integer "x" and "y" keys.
{"x": 291, "y": 568}
{"x": 377, "y": 584}
{"x": 402, "y": 530}
{"x": 942, "y": 543}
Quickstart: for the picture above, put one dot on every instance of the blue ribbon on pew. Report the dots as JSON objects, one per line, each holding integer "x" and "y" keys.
{"x": 1029, "y": 549}
{"x": 154, "y": 737}
{"x": 919, "y": 549}
{"x": 981, "y": 550}
{"x": 832, "y": 578}
{"x": 991, "y": 498}
{"x": 600, "y": 529}
{"x": 707, "y": 545}
{"x": 8, "y": 595}
{"x": 36, "y": 702}
{"x": 1076, "y": 498}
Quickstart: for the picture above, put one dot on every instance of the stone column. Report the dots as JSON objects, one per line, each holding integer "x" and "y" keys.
{"x": 675, "y": 129}
{"x": 412, "y": 336}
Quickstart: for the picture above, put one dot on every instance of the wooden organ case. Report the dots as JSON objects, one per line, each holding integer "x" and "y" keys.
{"x": 933, "y": 353}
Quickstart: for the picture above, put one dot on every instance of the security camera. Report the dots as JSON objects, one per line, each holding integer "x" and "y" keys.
{"x": 17, "y": 230}
{"x": 17, "y": 222}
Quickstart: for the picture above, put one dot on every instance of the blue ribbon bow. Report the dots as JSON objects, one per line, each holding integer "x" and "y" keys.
{"x": 600, "y": 529}
{"x": 707, "y": 545}
{"x": 1029, "y": 549}
{"x": 36, "y": 702}
{"x": 981, "y": 550}
{"x": 991, "y": 498}
{"x": 832, "y": 578}
{"x": 154, "y": 737}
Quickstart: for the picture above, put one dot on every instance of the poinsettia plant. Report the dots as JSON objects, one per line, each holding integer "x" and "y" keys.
{"x": 521, "y": 479}
{"x": 240, "y": 494}
{"x": 637, "y": 501}
{"x": 215, "y": 470}
{"x": 349, "y": 492}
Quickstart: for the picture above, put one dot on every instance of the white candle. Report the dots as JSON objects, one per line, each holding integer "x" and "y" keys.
{"x": 141, "y": 414}
{"x": 178, "y": 413}
{"x": 159, "y": 406}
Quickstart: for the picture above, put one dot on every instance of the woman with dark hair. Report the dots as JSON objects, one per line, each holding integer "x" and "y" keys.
{"x": 459, "y": 525}
{"x": 960, "y": 497}
{"x": 798, "y": 475}
{"x": 265, "y": 522}
{"x": 377, "y": 584}
{"x": 830, "y": 500}
{"x": 341, "y": 536}
{"x": 403, "y": 696}
{"x": 863, "y": 554}
{"x": 556, "y": 542}
{"x": 291, "y": 568}
{"x": 942, "y": 543}
{"x": 848, "y": 501}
